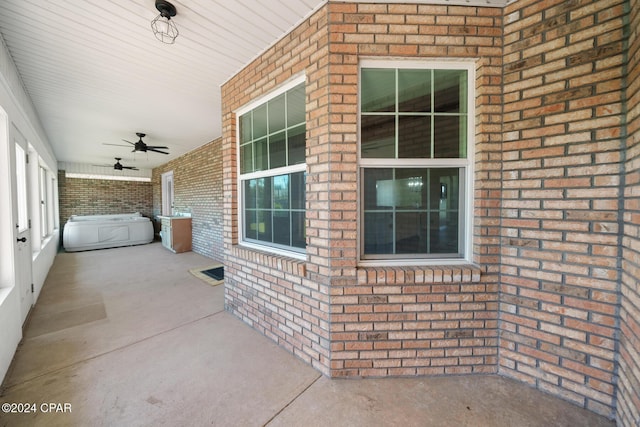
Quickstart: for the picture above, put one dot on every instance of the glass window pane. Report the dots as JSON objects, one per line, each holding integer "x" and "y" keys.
{"x": 277, "y": 150}
{"x": 297, "y": 190}
{"x": 444, "y": 232}
{"x": 250, "y": 194}
{"x": 378, "y": 136}
{"x": 378, "y": 90}
{"x": 281, "y": 227}
{"x": 444, "y": 189}
{"x": 264, "y": 226}
{"x": 260, "y": 122}
{"x": 414, "y": 91}
{"x": 411, "y": 188}
{"x": 263, "y": 193}
{"x": 250, "y": 224}
{"x": 298, "y": 238}
{"x": 297, "y": 145}
{"x": 378, "y": 189}
{"x": 414, "y": 137}
{"x": 260, "y": 154}
{"x": 276, "y": 114}
{"x": 246, "y": 158}
{"x": 378, "y": 235}
{"x": 448, "y": 86}
{"x": 296, "y": 103}
{"x": 446, "y": 137}
{"x": 411, "y": 233}
{"x": 281, "y": 192}
{"x": 245, "y": 128}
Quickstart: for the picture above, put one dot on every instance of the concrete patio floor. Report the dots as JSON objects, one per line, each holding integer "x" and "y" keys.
{"x": 128, "y": 337}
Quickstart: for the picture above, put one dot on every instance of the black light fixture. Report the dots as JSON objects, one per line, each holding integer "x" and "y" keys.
{"x": 163, "y": 27}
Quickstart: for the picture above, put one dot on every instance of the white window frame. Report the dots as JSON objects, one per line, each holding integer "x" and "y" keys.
{"x": 301, "y": 167}
{"x": 467, "y": 164}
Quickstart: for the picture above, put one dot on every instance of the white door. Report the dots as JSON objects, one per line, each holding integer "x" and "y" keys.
{"x": 21, "y": 219}
{"x": 167, "y": 193}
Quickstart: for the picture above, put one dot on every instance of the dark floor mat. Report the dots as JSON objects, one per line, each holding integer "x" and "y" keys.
{"x": 215, "y": 273}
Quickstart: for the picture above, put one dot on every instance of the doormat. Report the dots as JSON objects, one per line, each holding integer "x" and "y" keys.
{"x": 212, "y": 274}
{"x": 215, "y": 273}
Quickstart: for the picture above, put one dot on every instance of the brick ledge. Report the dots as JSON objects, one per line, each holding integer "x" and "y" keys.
{"x": 467, "y": 273}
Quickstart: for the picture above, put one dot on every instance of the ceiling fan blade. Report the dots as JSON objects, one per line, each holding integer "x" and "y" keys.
{"x": 157, "y": 147}
{"x": 156, "y": 151}
{"x": 132, "y": 143}
{"x": 133, "y": 168}
{"x": 116, "y": 145}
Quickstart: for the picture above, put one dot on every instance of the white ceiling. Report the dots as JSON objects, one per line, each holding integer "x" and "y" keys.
{"x": 96, "y": 74}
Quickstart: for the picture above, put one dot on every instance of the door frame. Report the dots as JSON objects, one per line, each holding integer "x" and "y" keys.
{"x": 167, "y": 193}
{"x": 21, "y": 222}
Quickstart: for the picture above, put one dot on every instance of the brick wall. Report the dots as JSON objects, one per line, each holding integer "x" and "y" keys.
{"x": 542, "y": 301}
{"x": 563, "y": 79}
{"x": 412, "y": 320}
{"x": 283, "y": 298}
{"x": 628, "y": 405}
{"x": 197, "y": 181}
{"x": 79, "y": 196}
{"x": 402, "y": 321}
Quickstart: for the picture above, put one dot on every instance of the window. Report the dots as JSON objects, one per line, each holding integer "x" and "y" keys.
{"x": 271, "y": 146}
{"x": 415, "y": 161}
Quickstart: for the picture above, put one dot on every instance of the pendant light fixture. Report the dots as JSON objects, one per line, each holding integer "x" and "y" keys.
{"x": 163, "y": 27}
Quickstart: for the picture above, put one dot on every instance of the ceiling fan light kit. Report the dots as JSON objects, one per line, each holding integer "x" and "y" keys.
{"x": 163, "y": 27}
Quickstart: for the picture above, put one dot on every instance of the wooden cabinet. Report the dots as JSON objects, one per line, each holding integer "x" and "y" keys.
{"x": 176, "y": 233}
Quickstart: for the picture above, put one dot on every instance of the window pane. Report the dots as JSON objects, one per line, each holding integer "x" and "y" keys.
{"x": 281, "y": 227}
{"x": 260, "y": 154}
{"x": 263, "y": 193}
{"x": 250, "y": 225}
{"x": 250, "y": 194}
{"x": 296, "y": 102}
{"x": 297, "y": 190}
{"x": 245, "y": 128}
{"x": 298, "y": 238}
{"x": 444, "y": 189}
{"x": 276, "y": 114}
{"x": 296, "y": 143}
{"x": 414, "y": 91}
{"x": 264, "y": 226}
{"x": 246, "y": 158}
{"x": 414, "y": 137}
{"x": 411, "y": 233}
{"x": 378, "y": 235}
{"x": 378, "y": 189}
{"x": 260, "y": 122}
{"x": 444, "y": 232}
{"x": 411, "y": 188}
{"x": 450, "y": 88}
{"x": 446, "y": 137}
{"x": 281, "y": 192}
{"x": 277, "y": 150}
{"x": 378, "y": 136}
{"x": 378, "y": 90}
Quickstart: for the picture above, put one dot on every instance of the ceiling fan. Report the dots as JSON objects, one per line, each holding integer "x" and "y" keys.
{"x": 118, "y": 166}
{"x": 141, "y": 146}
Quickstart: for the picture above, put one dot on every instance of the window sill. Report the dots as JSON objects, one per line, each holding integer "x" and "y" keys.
{"x": 398, "y": 275}
{"x": 285, "y": 262}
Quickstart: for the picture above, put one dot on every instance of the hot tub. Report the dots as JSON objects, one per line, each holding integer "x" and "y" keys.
{"x": 86, "y": 232}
